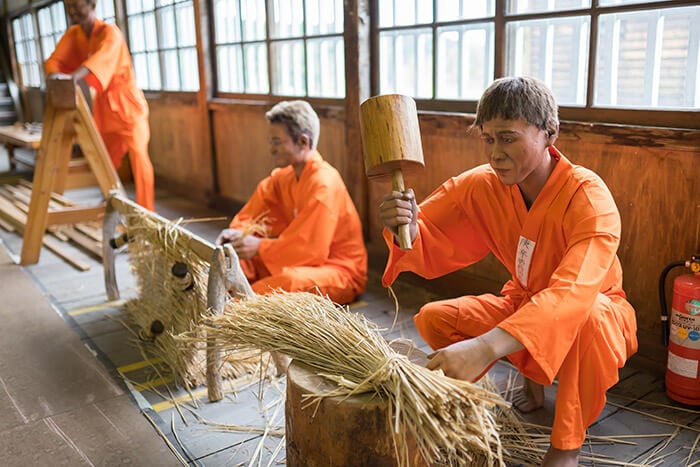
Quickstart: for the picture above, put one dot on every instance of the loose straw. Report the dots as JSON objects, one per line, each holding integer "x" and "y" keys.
{"x": 452, "y": 421}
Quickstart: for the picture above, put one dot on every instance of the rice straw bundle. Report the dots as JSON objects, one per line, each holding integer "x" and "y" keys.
{"x": 451, "y": 420}
{"x": 167, "y": 306}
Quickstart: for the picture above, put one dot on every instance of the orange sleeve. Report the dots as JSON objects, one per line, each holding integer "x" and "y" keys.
{"x": 105, "y": 61}
{"x": 64, "y": 58}
{"x": 263, "y": 202}
{"x": 307, "y": 239}
{"x": 446, "y": 240}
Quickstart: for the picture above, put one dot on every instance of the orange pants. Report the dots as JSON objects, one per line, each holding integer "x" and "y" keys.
{"x": 136, "y": 144}
{"x": 324, "y": 280}
{"x": 589, "y": 369}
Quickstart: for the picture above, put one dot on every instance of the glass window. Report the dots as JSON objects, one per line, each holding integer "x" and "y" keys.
{"x": 104, "y": 9}
{"x": 553, "y": 50}
{"x": 163, "y": 44}
{"x": 305, "y": 47}
{"x": 28, "y": 62}
{"x": 52, "y": 25}
{"x": 649, "y": 59}
{"x": 443, "y": 52}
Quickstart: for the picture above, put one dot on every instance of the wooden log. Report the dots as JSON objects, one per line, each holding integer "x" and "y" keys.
{"x": 350, "y": 431}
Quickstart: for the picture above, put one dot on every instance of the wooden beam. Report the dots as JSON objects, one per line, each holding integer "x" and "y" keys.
{"x": 73, "y": 215}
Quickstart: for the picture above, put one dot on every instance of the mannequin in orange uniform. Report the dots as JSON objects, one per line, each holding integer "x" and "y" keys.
{"x": 96, "y": 52}
{"x": 313, "y": 239}
{"x": 555, "y": 227}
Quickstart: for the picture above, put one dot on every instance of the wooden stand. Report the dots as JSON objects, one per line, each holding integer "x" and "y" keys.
{"x": 225, "y": 274}
{"x": 67, "y": 118}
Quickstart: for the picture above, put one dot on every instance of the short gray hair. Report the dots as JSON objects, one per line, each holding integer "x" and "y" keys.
{"x": 298, "y": 117}
{"x": 515, "y": 98}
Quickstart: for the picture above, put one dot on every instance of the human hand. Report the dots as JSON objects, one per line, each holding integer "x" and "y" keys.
{"x": 398, "y": 209}
{"x": 246, "y": 247}
{"x": 227, "y": 236}
{"x": 465, "y": 360}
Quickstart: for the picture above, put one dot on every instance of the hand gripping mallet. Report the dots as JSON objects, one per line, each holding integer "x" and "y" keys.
{"x": 391, "y": 141}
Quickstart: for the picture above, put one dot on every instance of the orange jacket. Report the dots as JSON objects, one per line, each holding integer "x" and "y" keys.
{"x": 310, "y": 222}
{"x": 119, "y": 104}
{"x": 561, "y": 253}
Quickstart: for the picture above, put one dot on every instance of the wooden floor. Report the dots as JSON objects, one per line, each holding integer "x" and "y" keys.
{"x": 137, "y": 411}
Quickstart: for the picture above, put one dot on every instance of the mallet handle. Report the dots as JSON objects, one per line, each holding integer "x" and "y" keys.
{"x": 404, "y": 232}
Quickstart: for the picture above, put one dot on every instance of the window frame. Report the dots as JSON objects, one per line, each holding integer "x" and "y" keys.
{"x": 162, "y": 91}
{"x": 585, "y": 113}
{"x": 270, "y": 96}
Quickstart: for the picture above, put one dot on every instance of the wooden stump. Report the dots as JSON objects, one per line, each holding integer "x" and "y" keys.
{"x": 341, "y": 431}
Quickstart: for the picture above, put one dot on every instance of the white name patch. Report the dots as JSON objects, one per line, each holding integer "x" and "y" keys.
{"x": 522, "y": 259}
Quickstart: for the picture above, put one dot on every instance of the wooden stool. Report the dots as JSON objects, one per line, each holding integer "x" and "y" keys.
{"x": 341, "y": 431}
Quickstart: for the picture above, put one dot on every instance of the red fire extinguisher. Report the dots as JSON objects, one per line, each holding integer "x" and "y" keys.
{"x": 681, "y": 332}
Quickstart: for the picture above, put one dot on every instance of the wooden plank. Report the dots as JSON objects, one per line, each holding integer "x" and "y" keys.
{"x": 17, "y": 135}
{"x": 91, "y": 231}
{"x": 84, "y": 241}
{"x": 94, "y": 149}
{"x": 73, "y": 215}
{"x": 6, "y": 225}
{"x": 60, "y": 199}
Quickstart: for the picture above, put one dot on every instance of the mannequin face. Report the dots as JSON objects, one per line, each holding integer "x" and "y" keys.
{"x": 80, "y": 11}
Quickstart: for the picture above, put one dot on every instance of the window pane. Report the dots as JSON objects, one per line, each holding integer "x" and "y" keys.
{"x": 149, "y": 25}
{"x": 324, "y": 17}
{"x": 136, "y": 39}
{"x": 622, "y": 2}
{"x": 153, "y": 71}
{"x": 452, "y": 10}
{"x": 140, "y": 70}
{"x": 287, "y": 19}
{"x": 405, "y": 62}
{"x": 229, "y": 61}
{"x": 405, "y": 12}
{"x": 256, "y": 81}
{"x": 58, "y": 14}
{"x": 185, "y": 25}
{"x": 227, "y": 24}
{"x": 464, "y": 60}
{"x": 288, "y": 66}
{"x": 104, "y": 9}
{"x": 326, "y": 67}
{"x": 171, "y": 70}
{"x": 254, "y": 19}
{"x": 649, "y": 59}
{"x": 133, "y": 6}
{"x": 554, "y": 51}
{"x": 544, "y": 6}
{"x": 189, "y": 70}
{"x": 166, "y": 30}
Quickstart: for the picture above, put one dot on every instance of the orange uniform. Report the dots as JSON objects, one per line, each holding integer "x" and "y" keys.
{"x": 564, "y": 302}
{"x": 314, "y": 236}
{"x": 119, "y": 108}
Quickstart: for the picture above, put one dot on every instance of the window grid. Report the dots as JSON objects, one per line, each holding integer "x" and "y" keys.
{"x": 162, "y": 44}
{"x": 28, "y": 62}
{"x": 52, "y": 25}
{"x": 280, "y": 47}
{"x": 569, "y": 59}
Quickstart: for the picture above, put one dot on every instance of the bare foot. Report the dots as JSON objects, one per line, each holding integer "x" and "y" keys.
{"x": 560, "y": 458}
{"x": 530, "y": 398}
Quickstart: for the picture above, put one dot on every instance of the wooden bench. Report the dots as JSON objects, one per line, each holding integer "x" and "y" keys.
{"x": 17, "y": 136}
{"x": 20, "y": 136}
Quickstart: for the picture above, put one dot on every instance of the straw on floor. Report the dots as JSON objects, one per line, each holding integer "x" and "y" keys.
{"x": 453, "y": 422}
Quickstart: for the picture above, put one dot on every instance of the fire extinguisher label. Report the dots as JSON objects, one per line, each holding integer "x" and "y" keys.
{"x": 682, "y": 366}
{"x": 685, "y": 330}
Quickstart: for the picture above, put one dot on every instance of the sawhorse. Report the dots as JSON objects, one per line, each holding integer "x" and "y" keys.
{"x": 66, "y": 118}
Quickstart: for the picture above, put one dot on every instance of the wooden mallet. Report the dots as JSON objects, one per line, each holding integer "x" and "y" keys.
{"x": 391, "y": 140}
